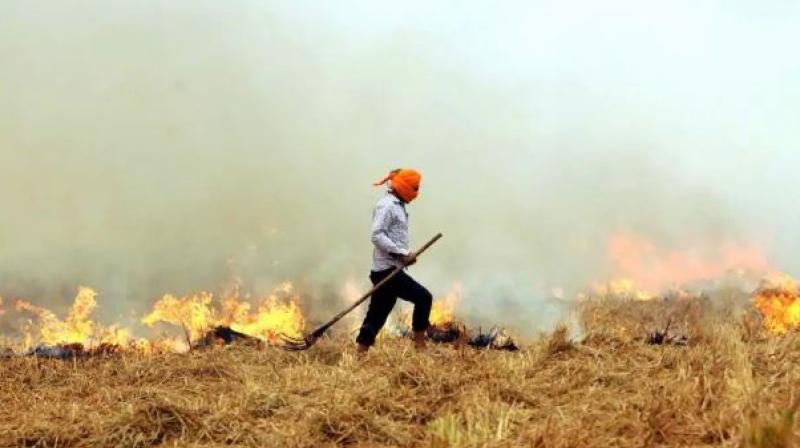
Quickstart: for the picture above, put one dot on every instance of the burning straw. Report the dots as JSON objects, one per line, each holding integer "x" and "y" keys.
{"x": 609, "y": 388}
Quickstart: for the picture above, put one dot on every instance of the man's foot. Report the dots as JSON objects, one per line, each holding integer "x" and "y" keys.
{"x": 420, "y": 340}
{"x": 361, "y": 350}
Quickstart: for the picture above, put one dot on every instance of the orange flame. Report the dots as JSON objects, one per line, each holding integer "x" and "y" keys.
{"x": 778, "y": 300}
{"x": 192, "y": 313}
{"x": 278, "y": 314}
{"x": 76, "y": 328}
{"x": 642, "y": 269}
{"x": 443, "y": 310}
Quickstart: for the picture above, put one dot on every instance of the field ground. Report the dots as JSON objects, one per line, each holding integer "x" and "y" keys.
{"x": 730, "y": 386}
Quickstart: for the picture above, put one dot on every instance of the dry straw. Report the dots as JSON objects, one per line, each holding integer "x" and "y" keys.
{"x": 730, "y": 385}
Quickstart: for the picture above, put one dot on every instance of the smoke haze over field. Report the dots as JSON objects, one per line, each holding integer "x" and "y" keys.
{"x": 150, "y": 147}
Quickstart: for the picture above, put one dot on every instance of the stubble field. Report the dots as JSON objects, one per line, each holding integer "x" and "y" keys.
{"x": 599, "y": 385}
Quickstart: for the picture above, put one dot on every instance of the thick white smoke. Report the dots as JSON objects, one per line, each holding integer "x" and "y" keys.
{"x": 150, "y": 147}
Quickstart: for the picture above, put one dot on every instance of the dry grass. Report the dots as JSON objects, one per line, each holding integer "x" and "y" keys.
{"x": 727, "y": 387}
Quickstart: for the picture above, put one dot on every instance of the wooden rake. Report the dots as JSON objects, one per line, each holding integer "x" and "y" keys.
{"x": 297, "y": 344}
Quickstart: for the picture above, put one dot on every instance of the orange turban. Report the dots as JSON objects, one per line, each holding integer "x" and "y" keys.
{"x": 405, "y": 183}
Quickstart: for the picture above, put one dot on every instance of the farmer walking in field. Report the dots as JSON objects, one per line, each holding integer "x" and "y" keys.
{"x": 390, "y": 238}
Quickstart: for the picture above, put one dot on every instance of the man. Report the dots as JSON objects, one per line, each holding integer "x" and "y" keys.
{"x": 390, "y": 237}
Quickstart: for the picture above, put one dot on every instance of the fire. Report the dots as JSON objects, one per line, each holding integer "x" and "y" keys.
{"x": 279, "y": 313}
{"x": 273, "y": 319}
{"x": 443, "y": 310}
{"x": 192, "y": 313}
{"x": 778, "y": 300}
{"x": 442, "y": 313}
{"x": 76, "y": 328}
{"x": 399, "y": 322}
{"x": 642, "y": 270}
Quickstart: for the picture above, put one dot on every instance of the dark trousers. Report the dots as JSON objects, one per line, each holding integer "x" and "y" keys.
{"x": 383, "y": 300}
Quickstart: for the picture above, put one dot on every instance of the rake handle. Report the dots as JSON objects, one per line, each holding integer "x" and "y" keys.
{"x": 319, "y": 331}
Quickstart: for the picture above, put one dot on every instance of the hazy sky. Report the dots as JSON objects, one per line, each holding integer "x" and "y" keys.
{"x": 150, "y": 147}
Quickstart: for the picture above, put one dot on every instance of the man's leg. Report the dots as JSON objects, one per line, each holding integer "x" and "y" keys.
{"x": 408, "y": 289}
{"x": 380, "y": 305}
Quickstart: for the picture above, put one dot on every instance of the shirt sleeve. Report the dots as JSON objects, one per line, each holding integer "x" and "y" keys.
{"x": 380, "y": 231}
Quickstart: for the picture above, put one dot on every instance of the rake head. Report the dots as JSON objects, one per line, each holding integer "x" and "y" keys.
{"x": 297, "y": 344}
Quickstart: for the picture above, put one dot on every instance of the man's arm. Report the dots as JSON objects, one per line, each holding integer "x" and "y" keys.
{"x": 380, "y": 232}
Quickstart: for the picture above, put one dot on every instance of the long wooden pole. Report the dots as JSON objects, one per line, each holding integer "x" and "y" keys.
{"x": 310, "y": 339}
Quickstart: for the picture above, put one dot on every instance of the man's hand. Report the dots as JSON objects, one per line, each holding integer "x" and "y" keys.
{"x": 409, "y": 259}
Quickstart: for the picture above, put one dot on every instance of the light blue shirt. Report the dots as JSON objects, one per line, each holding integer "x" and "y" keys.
{"x": 389, "y": 233}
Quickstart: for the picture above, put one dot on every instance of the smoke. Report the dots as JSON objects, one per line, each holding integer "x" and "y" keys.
{"x": 150, "y": 147}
